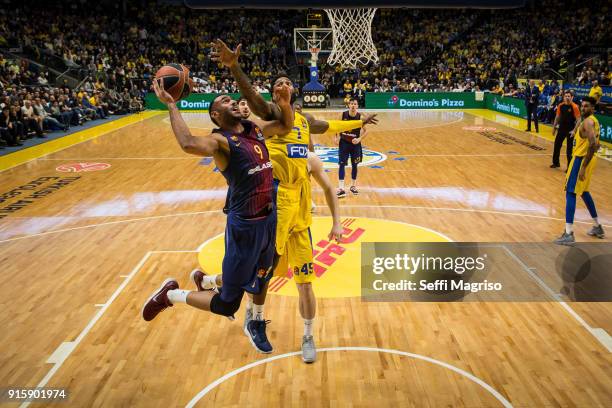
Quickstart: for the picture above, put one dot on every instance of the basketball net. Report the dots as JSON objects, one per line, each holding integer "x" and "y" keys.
{"x": 352, "y": 35}
{"x": 314, "y": 53}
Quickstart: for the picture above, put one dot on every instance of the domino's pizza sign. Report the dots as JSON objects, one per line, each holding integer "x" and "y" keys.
{"x": 329, "y": 157}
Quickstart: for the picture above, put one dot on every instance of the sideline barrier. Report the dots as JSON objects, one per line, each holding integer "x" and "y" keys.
{"x": 199, "y": 101}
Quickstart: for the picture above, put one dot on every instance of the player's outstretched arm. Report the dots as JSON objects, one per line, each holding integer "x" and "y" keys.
{"x": 200, "y": 146}
{"x": 284, "y": 124}
{"x": 337, "y": 126}
{"x": 318, "y": 172}
{"x": 223, "y": 54}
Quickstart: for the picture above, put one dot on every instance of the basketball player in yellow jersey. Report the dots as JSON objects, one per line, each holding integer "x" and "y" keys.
{"x": 289, "y": 155}
{"x": 580, "y": 171}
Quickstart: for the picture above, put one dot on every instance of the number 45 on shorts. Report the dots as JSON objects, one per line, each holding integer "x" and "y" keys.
{"x": 306, "y": 269}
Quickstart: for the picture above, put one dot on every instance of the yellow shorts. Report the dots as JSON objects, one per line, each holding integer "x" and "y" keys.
{"x": 293, "y": 240}
{"x": 573, "y": 184}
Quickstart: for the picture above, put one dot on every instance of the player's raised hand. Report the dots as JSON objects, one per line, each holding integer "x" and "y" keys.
{"x": 283, "y": 94}
{"x": 336, "y": 233}
{"x": 370, "y": 119}
{"x": 222, "y": 54}
{"x": 163, "y": 96}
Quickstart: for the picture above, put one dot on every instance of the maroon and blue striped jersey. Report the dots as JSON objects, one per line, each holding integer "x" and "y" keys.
{"x": 351, "y": 134}
{"x": 249, "y": 172}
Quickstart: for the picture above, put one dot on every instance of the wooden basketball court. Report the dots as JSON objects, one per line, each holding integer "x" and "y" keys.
{"x": 79, "y": 258}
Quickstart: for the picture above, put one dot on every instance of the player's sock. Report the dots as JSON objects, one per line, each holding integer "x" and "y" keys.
{"x": 590, "y": 204}
{"x": 569, "y": 228}
{"x": 341, "y": 184}
{"x": 353, "y": 182}
{"x": 308, "y": 325}
{"x": 209, "y": 281}
{"x": 249, "y": 304}
{"x": 258, "y": 312}
{"x": 178, "y": 296}
{"x": 596, "y": 221}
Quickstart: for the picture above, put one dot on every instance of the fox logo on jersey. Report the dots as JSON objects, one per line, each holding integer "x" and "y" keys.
{"x": 297, "y": 151}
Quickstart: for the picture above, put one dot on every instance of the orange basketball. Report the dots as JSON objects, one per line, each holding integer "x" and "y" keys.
{"x": 174, "y": 78}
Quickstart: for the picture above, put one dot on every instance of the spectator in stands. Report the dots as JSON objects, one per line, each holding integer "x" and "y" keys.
{"x": 347, "y": 88}
{"x": 33, "y": 122}
{"x": 53, "y": 108}
{"x": 595, "y": 92}
{"x": 9, "y": 131}
{"x": 87, "y": 103}
{"x": 66, "y": 108}
{"x": 136, "y": 105}
{"x": 553, "y": 101}
{"x": 48, "y": 121}
{"x": 18, "y": 123}
{"x": 510, "y": 91}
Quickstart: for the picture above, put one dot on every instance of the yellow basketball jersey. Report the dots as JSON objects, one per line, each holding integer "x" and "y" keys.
{"x": 581, "y": 144}
{"x": 289, "y": 153}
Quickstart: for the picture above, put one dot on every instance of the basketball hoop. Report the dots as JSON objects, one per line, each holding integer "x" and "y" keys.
{"x": 314, "y": 52}
{"x": 352, "y": 37}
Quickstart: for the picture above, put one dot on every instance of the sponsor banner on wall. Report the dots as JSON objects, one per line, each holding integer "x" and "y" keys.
{"x": 583, "y": 90}
{"x": 605, "y": 127}
{"x": 422, "y": 100}
{"x": 199, "y": 101}
{"x": 506, "y": 104}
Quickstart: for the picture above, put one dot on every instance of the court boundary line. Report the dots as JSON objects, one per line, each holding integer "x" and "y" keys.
{"x": 154, "y": 217}
{"x": 470, "y": 155}
{"x": 496, "y": 394}
{"x": 407, "y": 207}
{"x": 415, "y": 207}
{"x": 600, "y": 334}
{"x": 114, "y": 127}
{"x": 167, "y": 120}
{"x": 537, "y": 134}
{"x": 66, "y": 348}
{"x": 122, "y": 158}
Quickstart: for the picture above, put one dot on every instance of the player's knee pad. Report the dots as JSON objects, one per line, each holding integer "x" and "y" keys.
{"x": 218, "y": 306}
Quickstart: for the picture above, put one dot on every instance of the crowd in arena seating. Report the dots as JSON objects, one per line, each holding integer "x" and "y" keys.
{"x": 501, "y": 44}
{"x": 118, "y": 46}
{"x": 31, "y": 107}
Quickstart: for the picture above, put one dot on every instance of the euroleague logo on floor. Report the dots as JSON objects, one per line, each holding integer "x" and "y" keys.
{"x": 82, "y": 167}
{"x": 329, "y": 157}
{"x": 336, "y": 265}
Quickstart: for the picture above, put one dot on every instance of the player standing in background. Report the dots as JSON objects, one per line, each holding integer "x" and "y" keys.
{"x": 350, "y": 147}
{"x": 241, "y": 155}
{"x": 580, "y": 171}
{"x": 243, "y": 105}
{"x": 289, "y": 155}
